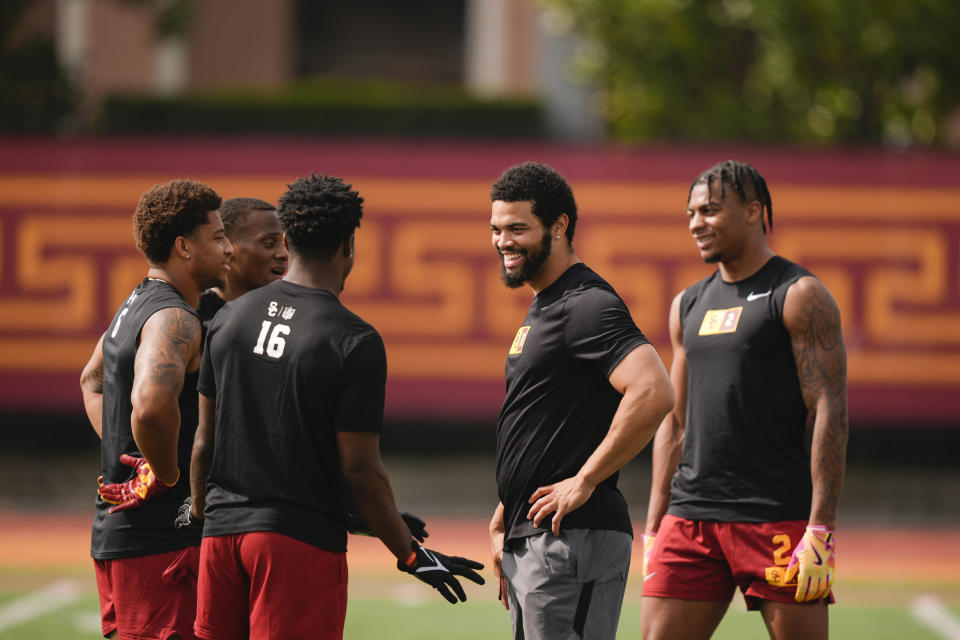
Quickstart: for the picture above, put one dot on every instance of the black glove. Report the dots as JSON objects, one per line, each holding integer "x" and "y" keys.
{"x": 185, "y": 518}
{"x": 438, "y": 571}
{"x": 357, "y": 525}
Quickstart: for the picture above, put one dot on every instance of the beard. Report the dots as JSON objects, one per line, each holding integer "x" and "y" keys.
{"x": 532, "y": 263}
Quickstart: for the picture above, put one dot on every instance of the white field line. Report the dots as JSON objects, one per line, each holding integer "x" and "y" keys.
{"x": 933, "y": 614}
{"x": 50, "y": 598}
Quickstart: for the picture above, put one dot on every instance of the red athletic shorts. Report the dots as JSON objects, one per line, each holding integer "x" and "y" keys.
{"x": 266, "y": 585}
{"x": 151, "y": 597}
{"x": 698, "y": 560}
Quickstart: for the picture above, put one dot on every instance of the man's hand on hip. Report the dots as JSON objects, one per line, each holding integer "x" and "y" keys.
{"x": 142, "y": 487}
{"x": 559, "y": 498}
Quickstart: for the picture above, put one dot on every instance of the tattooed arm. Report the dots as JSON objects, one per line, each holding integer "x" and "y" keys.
{"x": 170, "y": 345}
{"x": 91, "y": 384}
{"x": 813, "y": 321}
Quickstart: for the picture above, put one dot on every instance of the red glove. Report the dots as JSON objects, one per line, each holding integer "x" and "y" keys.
{"x": 134, "y": 492}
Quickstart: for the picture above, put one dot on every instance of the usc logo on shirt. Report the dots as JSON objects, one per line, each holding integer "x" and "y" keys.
{"x": 720, "y": 321}
{"x": 521, "y": 337}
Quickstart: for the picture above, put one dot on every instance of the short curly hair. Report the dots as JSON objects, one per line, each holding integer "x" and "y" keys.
{"x": 318, "y": 213}
{"x": 544, "y": 186}
{"x": 166, "y": 211}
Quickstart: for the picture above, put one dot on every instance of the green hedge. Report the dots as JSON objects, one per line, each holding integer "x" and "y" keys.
{"x": 326, "y": 107}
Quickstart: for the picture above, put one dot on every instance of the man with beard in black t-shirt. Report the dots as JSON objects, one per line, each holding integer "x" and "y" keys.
{"x": 139, "y": 391}
{"x": 737, "y": 500}
{"x": 585, "y": 393}
{"x": 291, "y": 409}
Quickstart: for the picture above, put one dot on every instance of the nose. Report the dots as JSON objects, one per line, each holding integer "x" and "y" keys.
{"x": 281, "y": 252}
{"x": 695, "y": 222}
{"x": 227, "y": 247}
{"x": 502, "y": 239}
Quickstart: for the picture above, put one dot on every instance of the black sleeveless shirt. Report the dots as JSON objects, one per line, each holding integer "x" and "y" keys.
{"x": 744, "y": 455}
{"x": 147, "y": 529}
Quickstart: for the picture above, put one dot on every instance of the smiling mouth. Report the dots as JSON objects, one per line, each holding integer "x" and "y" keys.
{"x": 512, "y": 260}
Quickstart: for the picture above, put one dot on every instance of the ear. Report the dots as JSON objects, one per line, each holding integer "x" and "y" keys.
{"x": 348, "y": 246}
{"x": 181, "y": 246}
{"x": 286, "y": 245}
{"x": 559, "y": 228}
{"x": 754, "y": 212}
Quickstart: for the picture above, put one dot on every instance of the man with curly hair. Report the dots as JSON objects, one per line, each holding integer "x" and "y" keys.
{"x": 585, "y": 393}
{"x": 291, "y": 409}
{"x": 140, "y": 393}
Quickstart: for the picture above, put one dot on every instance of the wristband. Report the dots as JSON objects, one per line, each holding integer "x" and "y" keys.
{"x": 173, "y": 484}
{"x": 412, "y": 560}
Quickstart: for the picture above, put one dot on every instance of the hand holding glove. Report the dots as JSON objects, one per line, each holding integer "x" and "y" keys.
{"x": 185, "y": 518}
{"x": 358, "y": 526}
{"x": 648, "y": 540}
{"x": 134, "y": 492}
{"x": 439, "y": 571}
{"x": 813, "y": 564}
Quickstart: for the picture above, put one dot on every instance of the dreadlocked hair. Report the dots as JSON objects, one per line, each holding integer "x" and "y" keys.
{"x": 318, "y": 213}
{"x": 743, "y": 179}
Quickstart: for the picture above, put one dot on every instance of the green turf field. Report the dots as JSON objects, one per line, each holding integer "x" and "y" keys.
{"x": 394, "y": 607}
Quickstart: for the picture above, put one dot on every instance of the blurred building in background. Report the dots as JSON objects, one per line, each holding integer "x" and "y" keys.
{"x": 492, "y": 49}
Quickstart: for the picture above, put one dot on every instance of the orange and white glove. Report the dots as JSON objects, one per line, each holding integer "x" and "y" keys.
{"x": 648, "y": 540}
{"x": 134, "y": 492}
{"x": 813, "y": 564}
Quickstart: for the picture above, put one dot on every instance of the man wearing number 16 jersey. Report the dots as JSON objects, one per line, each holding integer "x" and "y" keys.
{"x": 140, "y": 393}
{"x": 291, "y": 410}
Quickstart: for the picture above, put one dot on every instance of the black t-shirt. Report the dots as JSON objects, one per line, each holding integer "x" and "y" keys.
{"x": 289, "y": 367}
{"x": 210, "y": 303}
{"x": 559, "y": 401}
{"x": 147, "y": 529}
{"x": 744, "y": 457}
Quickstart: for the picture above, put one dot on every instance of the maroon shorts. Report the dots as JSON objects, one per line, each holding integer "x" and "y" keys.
{"x": 151, "y": 597}
{"x": 698, "y": 560}
{"x": 266, "y": 585}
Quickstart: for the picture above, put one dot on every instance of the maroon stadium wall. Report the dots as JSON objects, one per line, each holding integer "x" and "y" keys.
{"x": 881, "y": 229}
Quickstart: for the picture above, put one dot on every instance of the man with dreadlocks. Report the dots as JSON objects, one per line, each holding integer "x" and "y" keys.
{"x": 737, "y": 500}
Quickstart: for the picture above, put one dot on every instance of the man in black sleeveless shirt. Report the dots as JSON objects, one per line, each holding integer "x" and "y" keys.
{"x": 585, "y": 393}
{"x": 259, "y": 255}
{"x": 291, "y": 410}
{"x": 737, "y": 500}
{"x": 140, "y": 393}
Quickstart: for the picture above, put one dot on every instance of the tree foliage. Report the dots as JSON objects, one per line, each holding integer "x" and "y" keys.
{"x": 850, "y": 71}
{"x": 35, "y": 93}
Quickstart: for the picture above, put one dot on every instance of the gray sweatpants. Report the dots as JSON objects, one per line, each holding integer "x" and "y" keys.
{"x": 567, "y": 587}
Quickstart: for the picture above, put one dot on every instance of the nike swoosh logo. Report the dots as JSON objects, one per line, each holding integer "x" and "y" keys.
{"x": 816, "y": 553}
{"x": 754, "y": 296}
{"x": 436, "y": 564}
{"x": 649, "y": 575}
